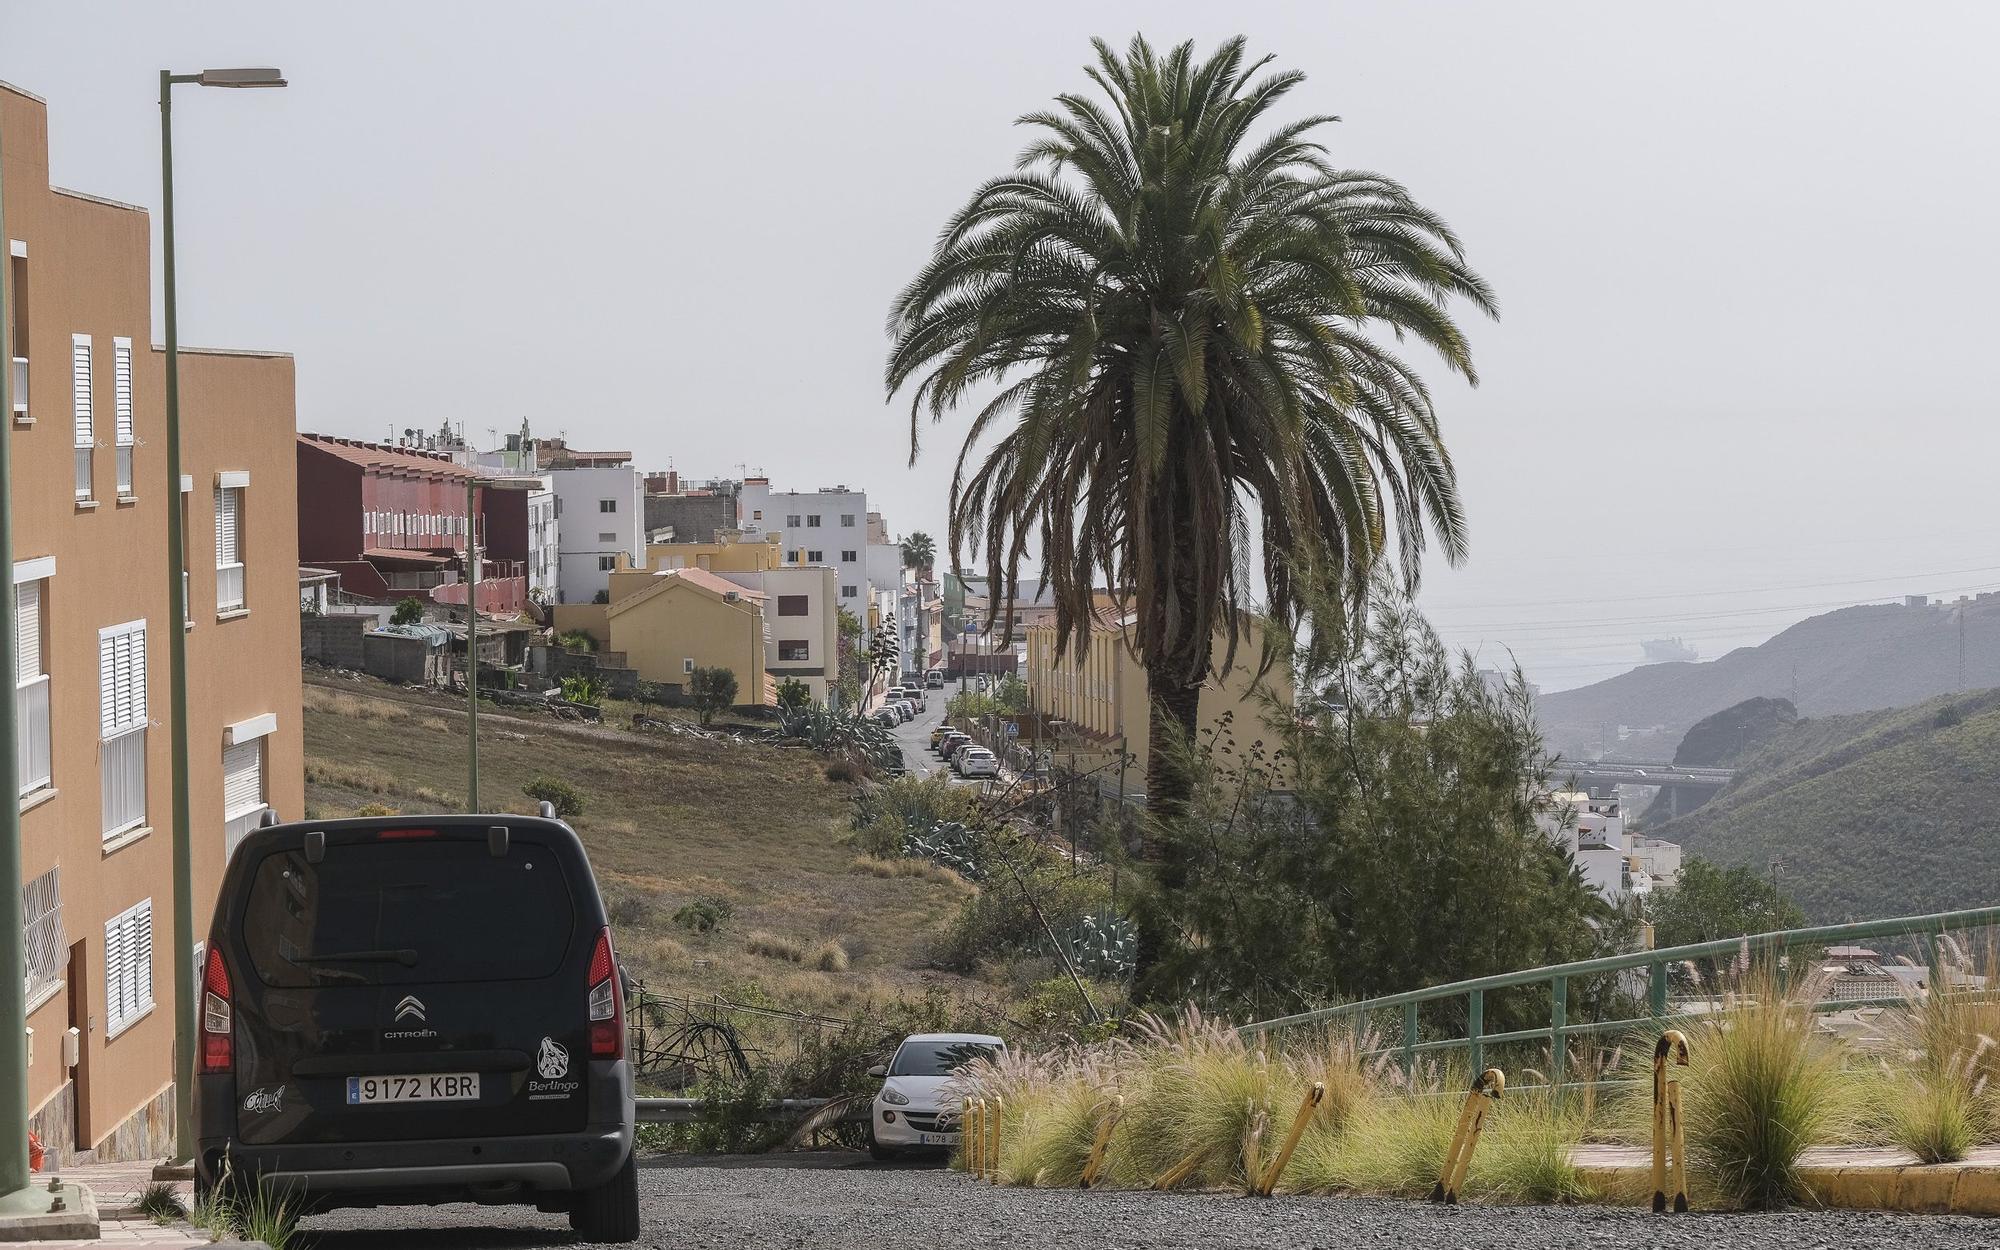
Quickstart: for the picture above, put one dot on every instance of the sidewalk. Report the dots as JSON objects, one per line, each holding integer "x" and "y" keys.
{"x": 116, "y": 1188}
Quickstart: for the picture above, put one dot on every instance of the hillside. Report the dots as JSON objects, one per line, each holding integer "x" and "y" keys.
{"x": 1876, "y": 814}
{"x": 1852, "y": 660}
{"x": 668, "y": 820}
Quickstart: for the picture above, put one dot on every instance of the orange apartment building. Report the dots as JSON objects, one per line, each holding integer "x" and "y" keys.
{"x": 89, "y": 506}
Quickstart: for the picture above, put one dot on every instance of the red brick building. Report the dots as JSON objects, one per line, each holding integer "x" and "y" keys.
{"x": 391, "y": 522}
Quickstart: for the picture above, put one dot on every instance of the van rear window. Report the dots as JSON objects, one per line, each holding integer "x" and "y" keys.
{"x": 408, "y": 911}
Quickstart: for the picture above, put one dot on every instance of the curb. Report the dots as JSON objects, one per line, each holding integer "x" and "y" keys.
{"x": 1935, "y": 1189}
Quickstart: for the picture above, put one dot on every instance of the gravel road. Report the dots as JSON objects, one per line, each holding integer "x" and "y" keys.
{"x": 840, "y": 1202}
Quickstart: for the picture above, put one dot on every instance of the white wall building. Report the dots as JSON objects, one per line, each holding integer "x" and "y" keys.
{"x": 544, "y": 544}
{"x": 1616, "y": 863}
{"x": 828, "y": 526}
{"x": 801, "y": 622}
{"x": 600, "y": 513}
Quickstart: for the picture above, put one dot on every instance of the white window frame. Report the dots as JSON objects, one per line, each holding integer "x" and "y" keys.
{"x": 607, "y": 564}
{"x": 240, "y": 818}
{"x": 122, "y": 721}
{"x": 121, "y": 405}
{"x": 33, "y": 751}
{"x": 230, "y": 591}
{"x": 83, "y": 412}
{"x": 128, "y": 968}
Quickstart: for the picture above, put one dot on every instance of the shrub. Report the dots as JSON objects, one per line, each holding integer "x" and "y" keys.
{"x": 844, "y": 735}
{"x": 884, "y": 816}
{"x": 772, "y": 946}
{"x": 705, "y": 914}
{"x": 581, "y": 689}
{"x": 376, "y": 810}
{"x": 828, "y": 956}
{"x": 567, "y": 799}
{"x": 712, "y": 690}
{"x": 1935, "y": 1117}
{"x": 408, "y": 611}
{"x": 576, "y": 640}
{"x": 845, "y": 772}
{"x": 793, "y": 694}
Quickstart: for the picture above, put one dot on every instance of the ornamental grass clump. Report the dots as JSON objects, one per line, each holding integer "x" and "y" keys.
{"x": 1051, "y": 1125}
{"x": 1764, "y": 1085}
{"x": 1528, "y": 1150}
{"x": 1940, "y": 1094}
{"x": 1196, "y": 1095}
{"x": 1394, "y": 1144}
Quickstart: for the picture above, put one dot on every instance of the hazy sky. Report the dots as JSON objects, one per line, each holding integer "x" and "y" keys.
{"x": 1744, "y": 251}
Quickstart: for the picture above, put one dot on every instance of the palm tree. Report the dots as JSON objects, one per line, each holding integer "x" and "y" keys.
{"x": 919, "y": 551}
{"x": 1186, "y": 331}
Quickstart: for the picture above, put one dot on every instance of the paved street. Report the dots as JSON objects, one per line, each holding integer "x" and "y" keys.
{"x": 916, "y": 735}
{"x": 838, "y": 1202}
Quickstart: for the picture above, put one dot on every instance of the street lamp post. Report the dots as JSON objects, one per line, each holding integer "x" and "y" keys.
{"x": 183, "y": 948}
{"x": 474, "y": 484}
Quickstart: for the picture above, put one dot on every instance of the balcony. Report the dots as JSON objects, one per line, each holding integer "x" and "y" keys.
{"x": 20, "y": 386}
{"x": 229, "y": 587}
{"x": 31, "y": 749}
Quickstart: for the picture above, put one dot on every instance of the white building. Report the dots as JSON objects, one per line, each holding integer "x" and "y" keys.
{"x": 1616, "y": 863}
{"x": 801, "y": 622}
{"x": 828, "y": 526}
{"x": 544, "y": 545}
{"x": 600, "y": 513}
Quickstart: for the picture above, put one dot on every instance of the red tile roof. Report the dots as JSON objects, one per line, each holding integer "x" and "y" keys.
{"x": 709, "y": 581}
{"x": 387, "y": 459}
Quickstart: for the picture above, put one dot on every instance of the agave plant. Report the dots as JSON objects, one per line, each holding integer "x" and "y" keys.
{"x": 948, "y": 844}
{"x": 843, "y": 734}
{"x": 1104, "y": 946}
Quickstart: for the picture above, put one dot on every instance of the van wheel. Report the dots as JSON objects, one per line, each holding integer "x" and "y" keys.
{"x": 609, "y": 1212}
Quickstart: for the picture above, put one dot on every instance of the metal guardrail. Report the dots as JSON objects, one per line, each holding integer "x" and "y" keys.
{"x": 1655, "y": 963}
{"x": 688, "y": 1110}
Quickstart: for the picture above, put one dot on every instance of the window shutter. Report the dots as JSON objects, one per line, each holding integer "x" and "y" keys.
{"x": 80, "y": 384}
{"x": 107, "y": 683}
{"x": 226, "y": 503}
{"x": 242, "y": 777}
{"x": 28, "y": 630}
{"x": 121, "y": 356}
{"x": 115, "y": 963}
{"x": 135, "y": 674}
{"x": 142, "y": 957}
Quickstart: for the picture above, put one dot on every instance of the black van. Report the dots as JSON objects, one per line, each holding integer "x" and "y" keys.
{"x": 417, "y": 1010}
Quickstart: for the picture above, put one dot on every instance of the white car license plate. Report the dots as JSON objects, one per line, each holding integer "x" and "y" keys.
{"x": 937, "y": 1139}
{"x": 428, "y": 1087}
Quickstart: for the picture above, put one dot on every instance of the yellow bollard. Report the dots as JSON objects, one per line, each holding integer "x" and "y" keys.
{"x": 1668, "y": 1138}
{"x": 1104, "y": 1127}
{"x": 1488, "y": 1086}
{"x": 993, "y": 1163}
{"x": 1264, "y": 1184}
{"x": 973, "y": 1137}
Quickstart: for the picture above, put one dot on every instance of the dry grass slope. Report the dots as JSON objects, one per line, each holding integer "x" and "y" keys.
{"x": 667, "y": 820}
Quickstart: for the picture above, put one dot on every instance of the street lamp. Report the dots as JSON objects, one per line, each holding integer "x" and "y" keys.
{"x": 183, "y": 949}
{"x": 472, "y": 485}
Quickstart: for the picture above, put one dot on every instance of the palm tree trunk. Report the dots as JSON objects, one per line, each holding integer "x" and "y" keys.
{"x": 1174, "y": 707}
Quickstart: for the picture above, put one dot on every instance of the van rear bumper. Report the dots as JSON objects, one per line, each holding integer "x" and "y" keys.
{"x": 423, "y": 1170}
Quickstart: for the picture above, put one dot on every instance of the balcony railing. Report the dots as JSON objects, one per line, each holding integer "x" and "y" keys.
{"x": 20, "y": 386}
{"x": 31, "y": 715}
{"x": 124, "y": 470}
{"x": 124, "y": 787}
{"x": 83, "y": 490}
{"x": 228, "y": 587}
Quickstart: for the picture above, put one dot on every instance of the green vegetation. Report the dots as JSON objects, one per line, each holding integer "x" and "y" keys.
{"x": 565, "y": 798}
{"x": 1878, "y": 814}
{"x": 1423, "y": 862}
{"x": 1182, "y": 311}
{"x": 919, "y": 551}
{"x": 576, "y": 640}
{"x": 582, "y": 690}
{"x": 408, "y": 611}
{"x": 711, "y": 690}
{"x": 1706, "y": 904}
{"x": 846, "y": 737}
{"x": 793, "y": 694}
{"x": 160, "y": 1204}
{"x": 1009, "y": 698}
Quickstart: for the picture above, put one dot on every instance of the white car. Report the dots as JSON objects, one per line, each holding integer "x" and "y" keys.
{"x": 903, "y": 708}
{"x": 978, "y": 762}
{"x": 916, "y": 1109}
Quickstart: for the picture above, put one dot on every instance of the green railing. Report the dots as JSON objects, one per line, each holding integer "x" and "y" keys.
{"x": 1655, "y": 963}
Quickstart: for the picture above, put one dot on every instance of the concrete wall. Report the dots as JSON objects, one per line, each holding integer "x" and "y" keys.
{"x": 333, "y": 640}
{"x": 398, "y": 658}
{"x": 694, "y": 518}
{"x": 592, "y": 618}
{"x": 88, "y": 271}
{"x": 582, "y": 524}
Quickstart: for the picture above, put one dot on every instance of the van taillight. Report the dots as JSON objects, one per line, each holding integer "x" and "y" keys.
{"x": 607, "y": 1003}
{"x": 218, "y": 1044}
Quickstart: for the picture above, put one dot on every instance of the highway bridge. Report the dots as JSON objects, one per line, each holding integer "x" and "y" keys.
{"x": 1685, "y": 787}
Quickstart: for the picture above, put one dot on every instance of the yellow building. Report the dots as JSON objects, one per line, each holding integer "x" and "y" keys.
{"x": 686, "y": 619}
{"x": 1099, "y": 694}
{"x": 731, "y": 552}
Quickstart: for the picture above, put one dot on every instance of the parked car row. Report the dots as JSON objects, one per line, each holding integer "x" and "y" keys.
{"x": 901, "y": 705}
{"x": 966, "y": 757}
